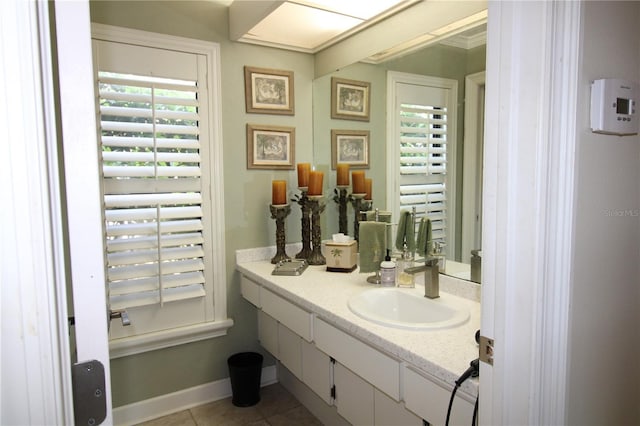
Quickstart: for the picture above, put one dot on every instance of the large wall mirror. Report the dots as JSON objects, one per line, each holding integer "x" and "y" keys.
{"x": 460, "y": 58}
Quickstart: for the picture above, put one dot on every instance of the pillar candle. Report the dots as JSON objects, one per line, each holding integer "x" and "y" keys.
{"x": 358, "y": 182}
{"x": 303, "y": 174}
{"x": 343, "y": 175}
{"x": 315, "y": 183}
{"x": 368, "y": 188}
{"x": 278, "y": 192}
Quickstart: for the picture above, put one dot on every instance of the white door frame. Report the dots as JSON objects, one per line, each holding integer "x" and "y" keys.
{"x": 35, "y": 383}
{"x": 533, "y": 52}
{"x": 82, "y": 185}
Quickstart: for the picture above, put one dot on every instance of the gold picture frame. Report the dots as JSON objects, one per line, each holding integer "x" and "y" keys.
{"x": 268, "y": 91}
{"x": 350, "y": 99}
{"x": 270, "y": 147}
{"x": 350, "y": 147}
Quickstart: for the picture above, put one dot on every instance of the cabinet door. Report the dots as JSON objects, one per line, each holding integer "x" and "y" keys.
{"x": 354, "y": 396}
{"x": 317, "y": 371}
{"x": 378, "y": 368}
{"x": 268, "y": 333}
{"x": 290, "y": 350}
{"x": 388, "y": 412}
{"x": 430, "y": 400}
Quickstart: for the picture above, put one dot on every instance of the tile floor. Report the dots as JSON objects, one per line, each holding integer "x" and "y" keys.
{"x": 277, "y": 407}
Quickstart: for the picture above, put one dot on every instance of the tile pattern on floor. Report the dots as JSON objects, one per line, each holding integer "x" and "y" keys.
{"x": 277, "y": 407}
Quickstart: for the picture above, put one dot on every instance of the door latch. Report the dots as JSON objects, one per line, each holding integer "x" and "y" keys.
{"x": 89, "y": 398}
{"x": 486, "y": 350}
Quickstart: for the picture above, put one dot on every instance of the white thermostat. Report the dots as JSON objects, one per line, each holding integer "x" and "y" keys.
{"x": 613, "y": 107}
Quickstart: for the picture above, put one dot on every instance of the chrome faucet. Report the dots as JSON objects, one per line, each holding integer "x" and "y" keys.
{"x": 431, "y": 277}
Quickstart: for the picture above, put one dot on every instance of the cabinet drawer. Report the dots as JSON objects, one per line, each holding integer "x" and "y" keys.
{"x": 430, "y": 400}
{"x": 377, "y": 368}
{"x": 250, "y": 290}
{"x": 290, "y": 315}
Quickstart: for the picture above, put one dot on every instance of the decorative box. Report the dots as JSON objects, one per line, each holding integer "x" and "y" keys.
{"x": 341, "y": 257}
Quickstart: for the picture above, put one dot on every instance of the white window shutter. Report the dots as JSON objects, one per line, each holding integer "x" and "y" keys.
{"x": 151, "y": 169}
{"x": 423, "y": 163}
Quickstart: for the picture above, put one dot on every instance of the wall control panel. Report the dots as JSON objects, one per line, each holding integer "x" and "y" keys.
{"x": 613, "y": 107}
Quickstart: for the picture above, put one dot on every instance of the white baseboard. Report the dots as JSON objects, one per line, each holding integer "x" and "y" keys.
{"x": 163, "y": 405}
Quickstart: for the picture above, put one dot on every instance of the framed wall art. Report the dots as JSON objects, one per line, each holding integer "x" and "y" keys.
{"x": 268, "y": 91}
{"x": 270, "y": 147}
{"x": 350, "y": 147}
{"x": 350, "y": 99}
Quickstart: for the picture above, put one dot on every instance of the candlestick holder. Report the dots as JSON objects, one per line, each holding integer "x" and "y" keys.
{"x": 359, "y": 205}
{"x": 279, "y": 213}
{"x": 342, "y": 198}
{"x": 305, "y": 208}
{"x": 317, "y": 207}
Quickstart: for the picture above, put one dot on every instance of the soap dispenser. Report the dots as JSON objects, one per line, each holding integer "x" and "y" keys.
{"x": 406, "y": 261}
{"x": 388, "y": 271}
{"x": 438, "y": 253}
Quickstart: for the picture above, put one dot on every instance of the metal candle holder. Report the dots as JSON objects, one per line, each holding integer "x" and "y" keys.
{"x": 342, "y": 198}
{"x": 317, "y": 207}
{"x": 359, "y": 205}
{"x": 279, "y": 213}
{"x": 303, "y": 201}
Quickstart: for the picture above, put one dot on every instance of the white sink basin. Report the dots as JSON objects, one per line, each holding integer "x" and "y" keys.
{"x": 408, "y": 309}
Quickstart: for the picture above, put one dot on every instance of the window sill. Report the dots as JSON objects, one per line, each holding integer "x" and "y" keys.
{"x": 164, "y": 339}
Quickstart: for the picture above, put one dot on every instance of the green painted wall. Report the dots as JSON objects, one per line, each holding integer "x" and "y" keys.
{"x": 248, "y": 192}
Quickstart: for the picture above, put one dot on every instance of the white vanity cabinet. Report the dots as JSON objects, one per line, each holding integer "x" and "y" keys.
{"x": 366, "y": 385}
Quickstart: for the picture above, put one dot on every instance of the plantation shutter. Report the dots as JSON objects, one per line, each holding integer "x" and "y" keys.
{"x": 152, "y": 184}
{"x": 423, "y": 163}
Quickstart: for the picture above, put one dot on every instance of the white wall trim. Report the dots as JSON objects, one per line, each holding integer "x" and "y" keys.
{"x": 163, "y": 405}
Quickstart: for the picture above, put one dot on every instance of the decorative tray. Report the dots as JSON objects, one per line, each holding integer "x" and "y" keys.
{"x": 290, "y": 267}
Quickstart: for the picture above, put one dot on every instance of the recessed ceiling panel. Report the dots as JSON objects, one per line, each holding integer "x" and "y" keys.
{"x": 363, "y": 9}
{"x": 301, "y": 26}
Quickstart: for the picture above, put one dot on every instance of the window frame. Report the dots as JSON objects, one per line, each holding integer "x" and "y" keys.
{"x": 219, "y": 323}
{"x": 393, "y": 148}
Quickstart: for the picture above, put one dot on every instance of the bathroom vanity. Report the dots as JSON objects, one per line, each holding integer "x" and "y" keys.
{"x": 371, "y": 373}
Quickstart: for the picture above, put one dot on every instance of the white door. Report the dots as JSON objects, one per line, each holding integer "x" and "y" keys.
{"x": 82, "y": 186}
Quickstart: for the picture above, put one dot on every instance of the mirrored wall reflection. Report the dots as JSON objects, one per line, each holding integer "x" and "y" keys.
{"x": 463, "y": 159}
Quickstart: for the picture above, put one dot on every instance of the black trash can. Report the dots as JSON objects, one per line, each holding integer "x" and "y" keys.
{"x": 245, "y": 371}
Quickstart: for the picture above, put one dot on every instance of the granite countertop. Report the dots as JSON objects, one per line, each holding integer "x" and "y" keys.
{"x": 443, "y": 354}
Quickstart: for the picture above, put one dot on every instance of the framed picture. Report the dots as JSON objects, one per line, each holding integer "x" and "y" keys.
{"x": 350, "y": 99}
{"x": 350, "y": 147}
{"x": 270, "y": 147}
{"x": 268, "y": 91}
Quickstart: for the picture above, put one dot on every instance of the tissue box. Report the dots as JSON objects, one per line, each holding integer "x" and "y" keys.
{"x": 341, "y": 257}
